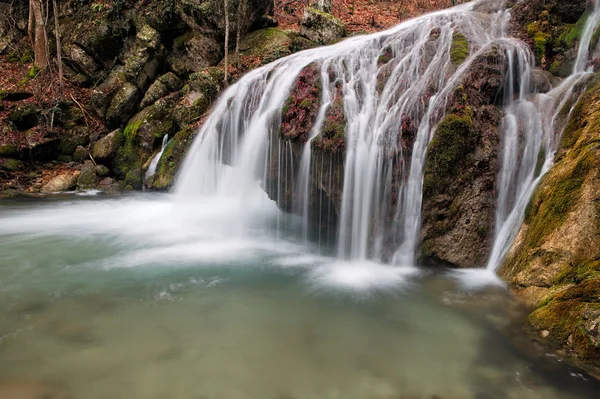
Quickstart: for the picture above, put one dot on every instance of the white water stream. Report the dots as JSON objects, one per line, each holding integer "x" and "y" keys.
{"x": 154, "y": 163}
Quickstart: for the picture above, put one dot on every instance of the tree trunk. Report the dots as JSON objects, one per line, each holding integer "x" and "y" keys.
{"x": 226, "y": 12}
{"x": 58, "y": 51}
{"x": 39, "y": 38}
{"x": 241, "y": 11}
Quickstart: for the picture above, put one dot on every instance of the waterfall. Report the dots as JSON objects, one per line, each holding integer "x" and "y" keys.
{"x": 379, "y": 81}
{"x": 531, "y": 133}
{"x": 154, "y": 163}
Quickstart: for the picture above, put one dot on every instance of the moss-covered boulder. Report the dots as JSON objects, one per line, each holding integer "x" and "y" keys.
{"x": 321, "y": 27}
{"x": 460, "y": 48}
{"x": 123, "y": 105}
{"x": 554, "y": 262}
{"x": 106, "y": 148}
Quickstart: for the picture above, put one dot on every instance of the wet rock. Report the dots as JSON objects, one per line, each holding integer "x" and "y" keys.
{"x": 148, "y": 127}
{"x": 87, "y": 177}
{"x": 64, "y": 182}
{"x": 106, "y": 148}
{"x": 26, "y": 116}
{"x": 171, "y": 159}
{"x": 321, "y": 27}
{"x": 541, "y": 81}
{"x": 122, "y": 105}
{"x": 164, "y": 85}
{"x": 461, "y": 170}
{"x": 71, "y": 139}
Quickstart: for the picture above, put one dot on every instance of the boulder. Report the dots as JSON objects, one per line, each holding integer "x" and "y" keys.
{"x": 321, "y": 27}
{"x": 194, "y": 52}
{"x": 64, "y": 182}
{"x": 26, "y": 116}
{"x": 87, "y": 177}
{"x": 81, "y": 61}
{"x": 80, "y": 154}
{"x": 106, "y": 148}
{"x": 122, "y": 105}
{"x": 162, "y": 86}
{"x": 144, "y": 58}
{"x": 103, "y": 94}
{"x": 71, "y": 139}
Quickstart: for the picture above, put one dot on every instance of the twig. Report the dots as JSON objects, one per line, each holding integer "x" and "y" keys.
{"x": 83, "y": 111}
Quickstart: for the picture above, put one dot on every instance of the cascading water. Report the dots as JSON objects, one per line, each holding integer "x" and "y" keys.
{"x": 240, "y": 146}
{"x": 532, "y": 127}
{"x": 154, "y": 163}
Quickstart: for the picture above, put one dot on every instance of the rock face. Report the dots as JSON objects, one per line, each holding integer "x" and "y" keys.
{"x": 555, "y": 261}
{"x": 461, "y": 170}
{"x": 321, "y": 27}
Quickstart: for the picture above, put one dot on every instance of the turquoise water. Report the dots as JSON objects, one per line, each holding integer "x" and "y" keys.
{"x": 145, "y": 297}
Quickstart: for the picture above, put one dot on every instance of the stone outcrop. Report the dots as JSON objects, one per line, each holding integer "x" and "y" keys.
{"x": 554, "y": 264}
{"x": 64, "y": 182}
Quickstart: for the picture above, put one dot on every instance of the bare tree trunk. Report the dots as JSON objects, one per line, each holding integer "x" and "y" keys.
{"x": 37, "y": 25}
{"x": 226, "y": 11}
{"x": 58, "y": 51}
{"x": 240, "y": 12}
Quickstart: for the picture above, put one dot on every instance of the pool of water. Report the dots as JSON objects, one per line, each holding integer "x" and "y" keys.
{"x": 148, "y": 297}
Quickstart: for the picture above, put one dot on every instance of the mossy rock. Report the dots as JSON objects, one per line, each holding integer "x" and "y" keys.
{"x": 11, "y": 165}
{"x": 454, "y": 139}
{"x": 87, "y": 178}
{"x": 8, "y": 150}
{"x": 321, "y": 27}
{"x": 460, "y": 48}
{"x": 71, "y": 139}
{"x": 171, "y": 159}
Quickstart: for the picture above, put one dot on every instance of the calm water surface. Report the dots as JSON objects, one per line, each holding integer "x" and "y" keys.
{"x": 146, "y": 297}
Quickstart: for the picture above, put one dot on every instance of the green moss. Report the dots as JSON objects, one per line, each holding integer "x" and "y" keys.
{"x": 306, "y": 103}
{"x": 573, "y": 32}
{"x": 556, "y": 201}
{"x": 460, "y": 48}
{"x": 33, "y": 72}
{"x": 131, "y": 129}
{"x": 578, "y": 272}
{"x": 452, "y": 142}
{"x": 537, "y": 31}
